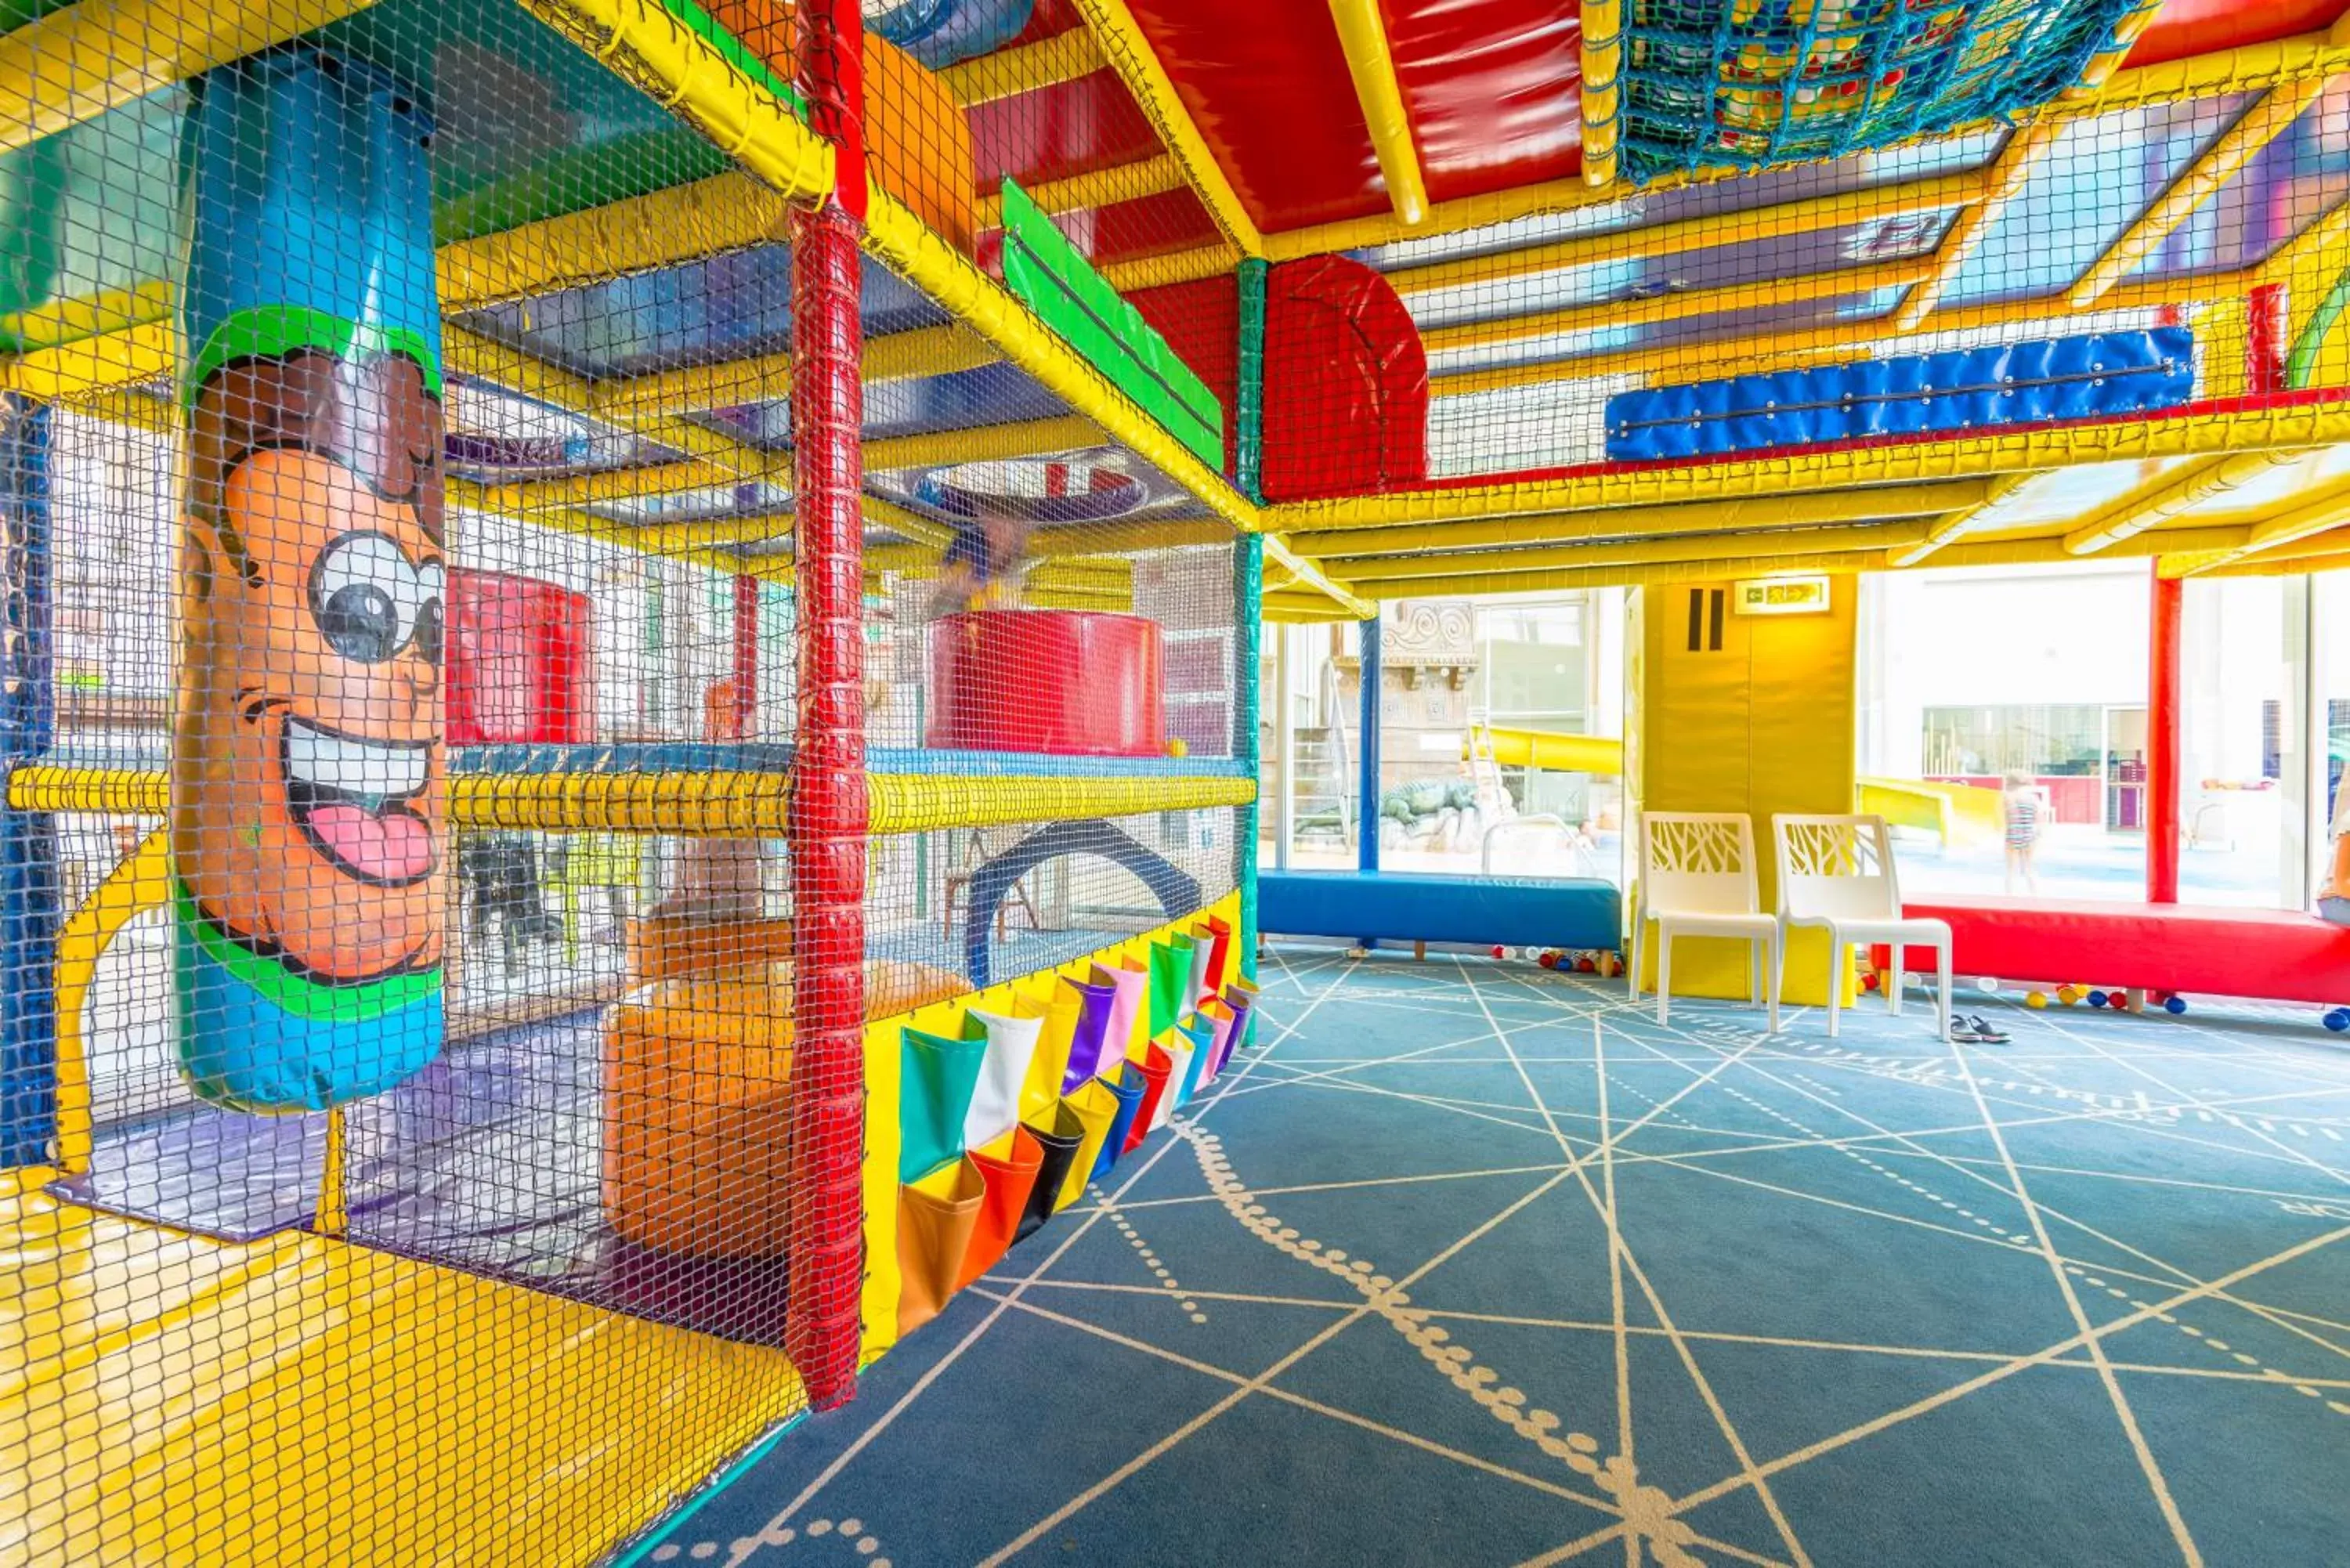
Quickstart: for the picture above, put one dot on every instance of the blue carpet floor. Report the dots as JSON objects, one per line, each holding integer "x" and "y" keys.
{"x": 1476, "y": 1265}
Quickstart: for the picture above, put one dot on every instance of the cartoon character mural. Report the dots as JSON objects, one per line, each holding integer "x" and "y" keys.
{"x": 308, "y": 782}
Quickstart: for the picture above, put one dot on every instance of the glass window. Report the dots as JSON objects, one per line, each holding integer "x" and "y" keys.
{"x": 1470, "y": 692}
{"x": 1984, "y": 690}
{"x": 2243, "y": 789}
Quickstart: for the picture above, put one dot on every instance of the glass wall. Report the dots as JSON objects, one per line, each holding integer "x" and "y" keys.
{"x": 1980, "y": 685}
{"x": 1473, "y": 696}
{"x": 2244, "y": 795}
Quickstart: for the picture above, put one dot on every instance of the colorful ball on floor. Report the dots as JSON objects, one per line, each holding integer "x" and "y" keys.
{"x": 1868, "y": 981}
{"x": 1548, "y": 960}
{"x": 2174, "y": 1005}
{"x": 2096, "y": 999}
{"x": 1586, "y": 964}
{"x": 1500, "y": 951}
{"x": 2035, "y": 999}
{"x": 1989, "y": 985}
{"x": 2339, "y": 1019}
{"x": 2068, "y": 994}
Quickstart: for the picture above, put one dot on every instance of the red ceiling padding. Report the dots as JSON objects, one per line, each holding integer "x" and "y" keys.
{"x": 1050, "y": 19}
{"x": 1268, "y": 88}
{"x": 1345, "y": 383}
{"x": 1202, "y": 322}
{"x": 2186, "y": 28}
{"x": 1492, "y": 87}
{"x": 1073, "y": 128}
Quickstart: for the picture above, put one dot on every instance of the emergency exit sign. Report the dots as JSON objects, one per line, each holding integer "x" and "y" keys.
{"x": 1781, "y": 595}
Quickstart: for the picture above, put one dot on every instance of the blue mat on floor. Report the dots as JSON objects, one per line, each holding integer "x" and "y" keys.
{"x": 1473, "y": 1264}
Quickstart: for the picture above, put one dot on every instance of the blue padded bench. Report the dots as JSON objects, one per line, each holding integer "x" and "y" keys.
{"x": 1512, "y": 911}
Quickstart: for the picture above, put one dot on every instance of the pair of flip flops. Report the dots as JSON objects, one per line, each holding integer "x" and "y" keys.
{"x": 1974, "y": 1029}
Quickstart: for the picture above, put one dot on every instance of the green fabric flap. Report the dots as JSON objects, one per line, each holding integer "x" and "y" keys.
{"x": 1061, "y": 288}
{"x": 938, "y": 1077}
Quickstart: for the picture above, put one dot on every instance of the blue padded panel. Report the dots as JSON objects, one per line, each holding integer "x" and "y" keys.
{"x": 2101, "y": 375}
{"x": 1402, "y": 906}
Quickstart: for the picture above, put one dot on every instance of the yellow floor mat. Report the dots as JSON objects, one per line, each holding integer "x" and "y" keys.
{"x": 168, "y": 1399}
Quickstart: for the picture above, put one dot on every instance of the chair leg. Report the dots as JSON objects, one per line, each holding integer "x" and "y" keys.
{"x": 1837, "y": 957}
{"x": 1664, "y": 974}
{"x": 1753, "y": 971}
{"x": 1632, "y": 968}
{"x": 1769, "y": 945}
{"x": 1893, "y": 981}
{"x": 1943, "y": 975}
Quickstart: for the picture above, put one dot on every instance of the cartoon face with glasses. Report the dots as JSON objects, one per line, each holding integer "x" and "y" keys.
{"x": 308, "y": 773}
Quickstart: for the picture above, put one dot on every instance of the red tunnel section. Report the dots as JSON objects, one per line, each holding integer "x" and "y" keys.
{"x": 1346, "y": 378}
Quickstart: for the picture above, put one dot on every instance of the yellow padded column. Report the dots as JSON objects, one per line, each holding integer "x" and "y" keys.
{"x": 1757, "y": 719}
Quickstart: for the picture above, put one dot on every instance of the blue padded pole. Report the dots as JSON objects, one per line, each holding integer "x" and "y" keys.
{"x": 1367, "y": 830}
{"x": 1248, "y": 588}
{"x": 29, "y": 905}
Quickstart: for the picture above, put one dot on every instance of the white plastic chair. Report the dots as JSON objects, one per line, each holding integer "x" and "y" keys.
{"x": 1836, "y": 873}
{"x": 1697, "y": 879}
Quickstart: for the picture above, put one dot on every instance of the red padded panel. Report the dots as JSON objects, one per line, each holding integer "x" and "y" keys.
{"x": 1345, "y": 383}
{"x": 2272, "y": 953}
{"x": 1072, "y": 127}
{"x": 1050, "y": 19}
{"x": 2186, "y": 28}
{"x": 1489, "y": 86}
{"x": 1202, "y": 322}
{"x": 1493, "y": 87}
{"x": 1268, "y": 88}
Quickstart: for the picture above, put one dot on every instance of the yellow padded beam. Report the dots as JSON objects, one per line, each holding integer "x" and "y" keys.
{"x": 2026, "y": 146}
{"x": 1971, "y": 456}
{"x": 1881, "y": 505}
{"x": 1761, "y": 294}
{"x": 1129, "y": 54}
{"x": 1368, "y": 575}
{"x": 2260, "y": 124}
{"x": 1602, "y": 73}
{"x": 1102, "y": 187}
{"x": 642, "y": 42}
{"x": 1007, "y": 73}
{"x": 1174, "y": 268}
{"x": 1965, "y": 520}
{"x": 75, "y": 64}
{"x": 2250, "y": 68}
{"x": 898, "y": 239}
{"x": 2169, "y": 493}
{"x": 1788, "y": 349}
{"x": 922, "y": 802}
{"x": 1680, "y": 235}
{"x": 1363, "y": 39}
{"x": 2309, "y": 516}
{"x": 708, "y": 217}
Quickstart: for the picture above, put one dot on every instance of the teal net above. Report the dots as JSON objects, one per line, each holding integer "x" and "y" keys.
{"x": 1745, "y": 84}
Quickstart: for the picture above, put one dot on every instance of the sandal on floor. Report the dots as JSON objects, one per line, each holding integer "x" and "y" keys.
{"x": 1978, "y": 1031}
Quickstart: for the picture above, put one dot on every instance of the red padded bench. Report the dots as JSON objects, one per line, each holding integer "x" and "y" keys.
{"x": 2273, "y": 954}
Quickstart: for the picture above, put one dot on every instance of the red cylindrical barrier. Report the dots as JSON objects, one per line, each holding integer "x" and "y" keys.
{"x": 1066, "y": 682}
{"x": 828, "y": 818}
{"x": 521, "y": 661}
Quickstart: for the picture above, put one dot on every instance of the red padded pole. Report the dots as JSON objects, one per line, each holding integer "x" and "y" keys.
{"x": 2266, "y": 331}
{"x": 827, "y": 818}
{"x": 2162, "y": 742}
{"x": 746, "y": 656}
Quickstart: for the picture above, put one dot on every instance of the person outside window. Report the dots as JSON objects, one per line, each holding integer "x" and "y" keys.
{"x": 2027, "y": 815}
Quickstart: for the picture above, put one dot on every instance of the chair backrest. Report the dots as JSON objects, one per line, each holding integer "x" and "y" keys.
{"x": 1836, "y": 867}
{"x": 1698, "y": 862}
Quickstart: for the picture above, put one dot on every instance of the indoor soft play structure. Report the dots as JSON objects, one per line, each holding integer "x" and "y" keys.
{"x": 629, "y": 688}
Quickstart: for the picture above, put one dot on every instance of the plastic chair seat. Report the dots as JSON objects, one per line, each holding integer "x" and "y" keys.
{"x": 1698, "y": 880}
{"x": 1837, "y": 874}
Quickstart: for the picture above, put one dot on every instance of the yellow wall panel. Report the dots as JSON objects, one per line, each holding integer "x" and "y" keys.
{"x": 1761, "y": 723}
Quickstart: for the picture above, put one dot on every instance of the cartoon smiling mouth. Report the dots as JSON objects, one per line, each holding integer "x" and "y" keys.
{"x": 355, "y": 800}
